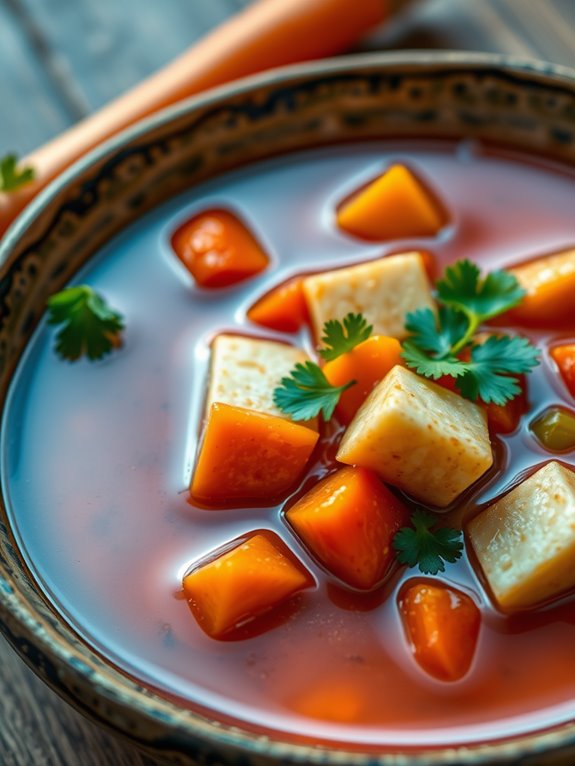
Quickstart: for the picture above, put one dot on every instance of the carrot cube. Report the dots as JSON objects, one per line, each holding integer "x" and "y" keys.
{"x": 254, "y": 575}
{"x": 394, "y": 206}
{"x": 442, "y": 625}
{"x": 367, "y": 364}
{"x": 564, "y": 358}
{"x": 348, "y": 521}
{"x": 218, "y": 249}
{"x": 283, "y": 309}
{"x": 550, "y": 284}
{"x": 248, "y": 455}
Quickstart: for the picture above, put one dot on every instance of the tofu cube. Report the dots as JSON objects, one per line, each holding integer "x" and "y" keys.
{"x": 424, "y": 439}
{"x": 245, "y": 371}
{"x": 383, "y": 290}
{"x": 525, "y": 542}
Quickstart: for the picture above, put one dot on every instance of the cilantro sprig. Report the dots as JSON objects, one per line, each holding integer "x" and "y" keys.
{"x": 425, "y": 547}
{"x": 89, "y": 325}
{"x": 11, "y": 176}
{"x": 307, "y": 392}
{"x": 341, "y": 337}
{"x": 444, "y": 344}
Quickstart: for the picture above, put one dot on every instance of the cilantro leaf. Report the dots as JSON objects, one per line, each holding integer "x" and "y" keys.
{"x": 428, "y": 366}
{"x": 12, "y": 177}
{"x": 307, "y": 392}
{"x": 489, "y": 373}
{"x": 339, "y": 338}
{"x": 422, "y": 546}
{"x": 463, "y": 289}
{"x": 436, "y": 334}
{"x": 89, "y": 326}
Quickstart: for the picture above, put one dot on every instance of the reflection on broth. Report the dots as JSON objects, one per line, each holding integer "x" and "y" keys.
{"x": 99, "y": 458}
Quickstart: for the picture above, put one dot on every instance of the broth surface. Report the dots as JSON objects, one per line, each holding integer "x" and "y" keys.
{"x": 97, "y": 460}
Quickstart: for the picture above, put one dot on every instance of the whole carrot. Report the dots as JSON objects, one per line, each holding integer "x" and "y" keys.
{"x": 267, "y": 34}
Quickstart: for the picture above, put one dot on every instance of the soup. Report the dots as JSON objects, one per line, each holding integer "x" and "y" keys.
{"x": 98, "y": 459}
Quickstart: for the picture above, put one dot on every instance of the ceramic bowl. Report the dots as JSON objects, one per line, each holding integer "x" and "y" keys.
{"x": 526, "y": 106}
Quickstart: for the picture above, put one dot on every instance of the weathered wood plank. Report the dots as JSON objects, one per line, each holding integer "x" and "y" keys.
{"x": 110, "y": 45}
{"x": 31, "y": 108}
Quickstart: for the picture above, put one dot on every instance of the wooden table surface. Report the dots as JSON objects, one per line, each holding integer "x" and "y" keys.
{"x": 60, "y": 60}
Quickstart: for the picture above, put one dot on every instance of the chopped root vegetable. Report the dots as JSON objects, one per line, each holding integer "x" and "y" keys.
{"x": 525, "y": 541}
{"x": 564, "y": 358}
{"x": 283, "y": 309}
{"x": 383, "y": 291}
{"x": 367, "y": 364}
{"x": 549, "y": 283}
{"x": 420, "y": 437}
{"x": 218, "y": 249}
{"x": 348, "y": 521}
{"x": 243, "y": 582}
{"x": 394, "y": 206}
{"x": 442, "y": 625}
{"x": 249, "y": 455}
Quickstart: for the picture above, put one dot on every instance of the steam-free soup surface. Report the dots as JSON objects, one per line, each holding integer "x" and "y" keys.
{"x": 98, "y": 459}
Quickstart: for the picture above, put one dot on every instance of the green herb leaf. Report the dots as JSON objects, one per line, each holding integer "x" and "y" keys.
{"x": 12, "y": 177}
{"x": 89, "y": 326}
{"x": 489, "y": 374}
{"x": 437, "y": 344}
{"x": 307, "y": 392}
{"x": 463, "y": 289}
{"x": 438, "y": 335}
{"x": 339, "y": 338}
{"x": 422, "y": 546}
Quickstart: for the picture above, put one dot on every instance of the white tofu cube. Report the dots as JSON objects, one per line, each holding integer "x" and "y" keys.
{"x": 525, "y": 542}
{"x": 428, "y": 441}
{"x": 384, "y": 291}
{"x": 245, "y": 371}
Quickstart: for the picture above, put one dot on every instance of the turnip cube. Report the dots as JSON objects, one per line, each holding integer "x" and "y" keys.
{"x": 424, "y": 439}
{"x": 245, "y": 371}
{"x": 383, "y": 290}
{"x": 525, "y": 542}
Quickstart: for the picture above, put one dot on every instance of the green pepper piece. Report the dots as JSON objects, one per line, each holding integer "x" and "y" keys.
{"x": 554, "y": 428}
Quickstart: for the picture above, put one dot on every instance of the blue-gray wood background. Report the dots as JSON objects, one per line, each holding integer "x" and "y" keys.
{"x": 61, "y": 60}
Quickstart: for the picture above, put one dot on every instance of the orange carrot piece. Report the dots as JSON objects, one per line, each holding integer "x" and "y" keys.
{"x": 550, "y": 285}
{"x": 283, "y": 309}
{"x": 564, "y": 358}
{"x": 248, "y": 455}
{"x": 442, "y": 625}
{"x": 393, "y": 206}
{"x": 218, "y": 249}
{"x": 367, "y": 364}
{"x": 241, "y": 583}
{"x": 348, "y": 521}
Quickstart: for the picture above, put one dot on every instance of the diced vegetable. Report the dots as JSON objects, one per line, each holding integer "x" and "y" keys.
{"x": 332, "y": 699}
{"x": 248, "y": 455}
{"x": 283, "y": 309}
{"x": 367, "y": 364}
{"x": 218, "y": 249}
{"x": 564, "y": 357}
{"x": 383, "y": 291}
{"x": 549, "y": 283}
{"x": 442, "y": 626}
{"x": 242, "y": 582}
{"x": 244, "y": 372}
{"x": 555, "y": 429}
{"x": 394, "y": 206}
{"x": 348, "y": 521}
{"x": 420, "y": 437}
{"x": 525, "y": 542}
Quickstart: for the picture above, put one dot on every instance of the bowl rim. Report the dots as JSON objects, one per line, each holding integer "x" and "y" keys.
{"x": 198, "y": 726}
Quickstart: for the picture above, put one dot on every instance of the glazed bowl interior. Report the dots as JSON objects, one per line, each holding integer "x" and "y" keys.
{"x": 526, "y": 107}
